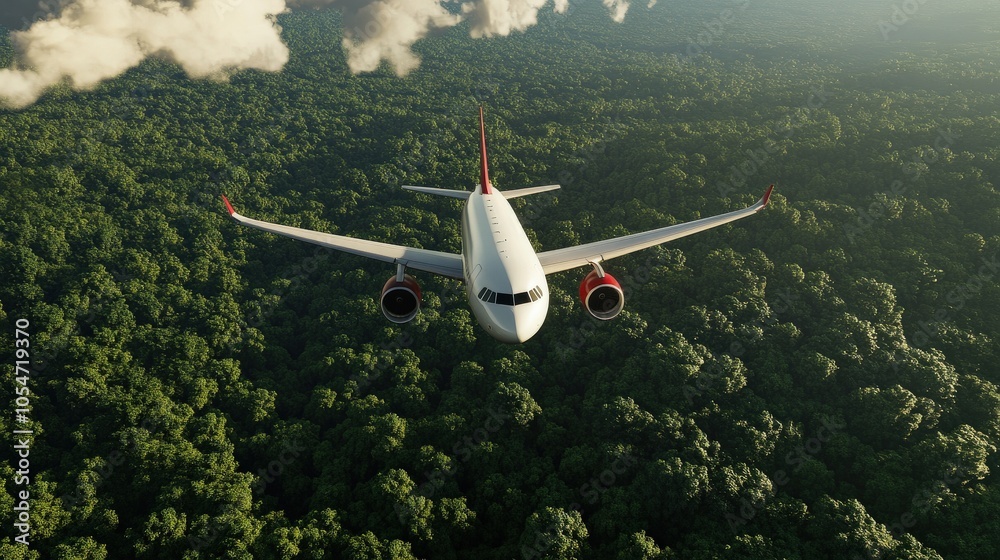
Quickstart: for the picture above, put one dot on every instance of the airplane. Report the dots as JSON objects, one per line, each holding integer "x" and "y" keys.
{"x": 504, "y": 277}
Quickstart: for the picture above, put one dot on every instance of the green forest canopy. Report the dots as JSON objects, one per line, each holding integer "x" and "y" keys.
{"x": 813, "y": 382}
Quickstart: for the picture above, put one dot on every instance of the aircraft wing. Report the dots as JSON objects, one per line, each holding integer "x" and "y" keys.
{"x": 437, "y": 262}
{"x": 581, "y": 255}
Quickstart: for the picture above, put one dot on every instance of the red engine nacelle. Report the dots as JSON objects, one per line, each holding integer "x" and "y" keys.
{"x": 400, "y": 300}
{"x": 602, "y": 296}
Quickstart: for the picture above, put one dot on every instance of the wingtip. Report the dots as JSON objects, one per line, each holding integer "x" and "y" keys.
{"x": 767, "y": 196}
{"x": 229, "y": 207}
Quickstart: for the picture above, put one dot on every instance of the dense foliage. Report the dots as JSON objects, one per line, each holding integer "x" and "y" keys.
{"x": 816, "y": 381}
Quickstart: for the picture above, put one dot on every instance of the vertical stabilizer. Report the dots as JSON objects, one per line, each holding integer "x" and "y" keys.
{"x": 484, "y": 177}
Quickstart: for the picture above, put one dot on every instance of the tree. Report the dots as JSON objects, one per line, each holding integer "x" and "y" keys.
{"x": 514, "y": 401}
{"x": 554, "y": 533}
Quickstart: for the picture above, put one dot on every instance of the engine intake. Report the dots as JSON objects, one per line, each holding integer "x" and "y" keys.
{"x": 400, "y": 300}
{"x": 602, "y": 296}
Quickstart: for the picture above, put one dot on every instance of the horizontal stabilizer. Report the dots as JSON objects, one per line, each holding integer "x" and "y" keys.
{"x": 464, "y": 195}
{"x": 529, "y": 190}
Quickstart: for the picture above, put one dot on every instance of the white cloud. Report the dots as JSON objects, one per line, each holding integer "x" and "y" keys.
{"x": 618, "y": 9}
{"x": 93, "y": 40}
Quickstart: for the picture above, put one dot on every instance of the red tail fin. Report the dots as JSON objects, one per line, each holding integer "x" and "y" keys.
{"x": 484, "y": 177}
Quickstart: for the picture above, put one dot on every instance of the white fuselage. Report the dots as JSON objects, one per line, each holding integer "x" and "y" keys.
{"x": 504, "y": 280}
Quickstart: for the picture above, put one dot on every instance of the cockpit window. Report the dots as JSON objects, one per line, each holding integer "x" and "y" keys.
{"x": 489, "y": 296}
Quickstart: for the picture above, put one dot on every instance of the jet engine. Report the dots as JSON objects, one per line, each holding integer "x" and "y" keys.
{"x": 602, "y": 295}
{"x": 400, "y": 299}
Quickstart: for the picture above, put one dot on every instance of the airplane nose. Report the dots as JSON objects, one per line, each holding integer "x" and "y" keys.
{"x": 519, "y": 325}
{"x": 506, "y": 330}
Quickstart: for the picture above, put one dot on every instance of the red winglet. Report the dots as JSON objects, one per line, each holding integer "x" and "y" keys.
{"x": 767, "y": 196}
{"x": 484, "y": 178}
{"x": 228, "y": 206}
